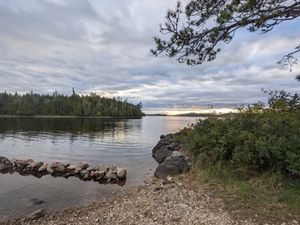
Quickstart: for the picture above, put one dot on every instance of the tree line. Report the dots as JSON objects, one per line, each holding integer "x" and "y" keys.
{"x": 32, "y": 104}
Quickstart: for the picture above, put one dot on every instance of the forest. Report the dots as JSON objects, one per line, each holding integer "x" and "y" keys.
{"x": 32, "y": 104}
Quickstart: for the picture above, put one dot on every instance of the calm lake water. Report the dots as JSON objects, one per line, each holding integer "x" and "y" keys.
{"x": 125, "y": 143}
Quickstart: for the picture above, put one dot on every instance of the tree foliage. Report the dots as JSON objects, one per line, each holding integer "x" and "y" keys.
{"x": 257, "y": 138}
{"x": 291, "y": 59}
{"x": 90, "y": 105}
{"x": 194, "y": 34}
{"x": 282, "y": 100}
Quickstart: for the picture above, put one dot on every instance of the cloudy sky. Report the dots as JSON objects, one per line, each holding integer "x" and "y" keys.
{"x": 104, "y": 47}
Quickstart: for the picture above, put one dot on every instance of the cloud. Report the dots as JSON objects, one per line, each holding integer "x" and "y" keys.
{"x": 104, "y": 47}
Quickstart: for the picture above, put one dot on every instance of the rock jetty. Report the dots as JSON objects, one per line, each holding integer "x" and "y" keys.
{"x": 82, "y": 170}
{"x": 168, "y": 153}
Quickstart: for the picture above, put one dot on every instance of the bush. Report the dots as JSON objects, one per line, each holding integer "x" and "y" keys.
{"x": 257, "y": 138}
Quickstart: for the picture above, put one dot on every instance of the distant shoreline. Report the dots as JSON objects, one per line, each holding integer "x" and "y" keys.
{"x": 108, "y": 117}
{"x": 187, "y": 115}
{"x": 83, "y": 117}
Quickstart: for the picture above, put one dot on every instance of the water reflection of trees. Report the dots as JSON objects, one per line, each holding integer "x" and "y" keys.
{"x": 91, "y": 128}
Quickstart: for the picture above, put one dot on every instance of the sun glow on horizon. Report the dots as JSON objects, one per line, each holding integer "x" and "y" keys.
{"x": 177, "y": 111}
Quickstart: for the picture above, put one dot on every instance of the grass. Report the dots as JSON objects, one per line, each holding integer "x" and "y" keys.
{"x": 267, "y": 197}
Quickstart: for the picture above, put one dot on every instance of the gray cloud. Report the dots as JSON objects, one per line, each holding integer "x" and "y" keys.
{"x": 103, "y": 47}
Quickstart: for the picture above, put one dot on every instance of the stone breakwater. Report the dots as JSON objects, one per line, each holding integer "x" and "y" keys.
{"x": 82, "y": 170}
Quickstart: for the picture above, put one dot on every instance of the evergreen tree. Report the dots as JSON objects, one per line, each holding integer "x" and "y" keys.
{"x": 61, "y": 105}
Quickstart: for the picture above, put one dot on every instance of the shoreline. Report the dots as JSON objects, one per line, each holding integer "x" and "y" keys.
{"x": 50, "y": 209}
{"x": 173, "y": 200}
{"x": 71, "y": 117}
{"x": 157, "y": 201}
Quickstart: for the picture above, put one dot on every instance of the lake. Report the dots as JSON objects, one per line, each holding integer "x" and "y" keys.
{"x": 125, "y": 143}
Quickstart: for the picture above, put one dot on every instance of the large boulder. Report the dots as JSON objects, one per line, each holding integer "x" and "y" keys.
{"x": 5, "y": 165}
{"x": 173, "y": 165}
{"x": 165, "y": 147}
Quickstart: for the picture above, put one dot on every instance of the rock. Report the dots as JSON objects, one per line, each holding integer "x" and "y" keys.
{"x": 121, "y": 173}
{"x": 81, "y": 170}
{"x": 167, "y": 154}
{"x": 176, "y": 154}
{"x": 21, "y": 164}
{"x": 93, "y": 174}
{"x": 70, "y": 170}
{"x": 66, "y": 175}
{"x": 168, "y": 182}
{"x": 3, "y": 159}
{"x": 5, "y": 165}
{"x": 49, "y": 170}
{"x": 72, "y": 167}
{"x": 169, "y": 178}
{"x": 157, "y": 189}
{"x": 83, "y": 173}
{"x": 102, "y": 168}
{"x": 43, "y": 168}
{"x": 35, "y": 165}
{"x": 58, "y": 167}
{"x": 35, "y": 215}
{"x": 32, "y": 165}
{"x": 165, "y": 147}
{"x": 179, "y": 184}
{"x": 99, "y": 175}
{"x": 83, "y": 165}
{"x": 173, "y": 165}
{"x": 77, "y": 170}
{"x": 90, "y": 169}
{"x": 111, "y": 175}
{"x": 39, "y": 164}
{"x": 86, "y": 176}
{"x": 3, "y": 168}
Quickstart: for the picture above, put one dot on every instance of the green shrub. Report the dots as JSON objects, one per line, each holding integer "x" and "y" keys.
{"x": 257, "y": 138}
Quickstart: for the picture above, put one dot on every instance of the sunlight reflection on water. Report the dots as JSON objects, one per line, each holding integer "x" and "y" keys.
{"x": 122, "y": 142}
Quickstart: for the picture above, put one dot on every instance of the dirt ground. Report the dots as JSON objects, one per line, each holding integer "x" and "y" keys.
{"x": 168, "y": 201}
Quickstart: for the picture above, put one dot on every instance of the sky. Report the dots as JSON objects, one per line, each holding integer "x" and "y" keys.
{"x": 104, "y": 47}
